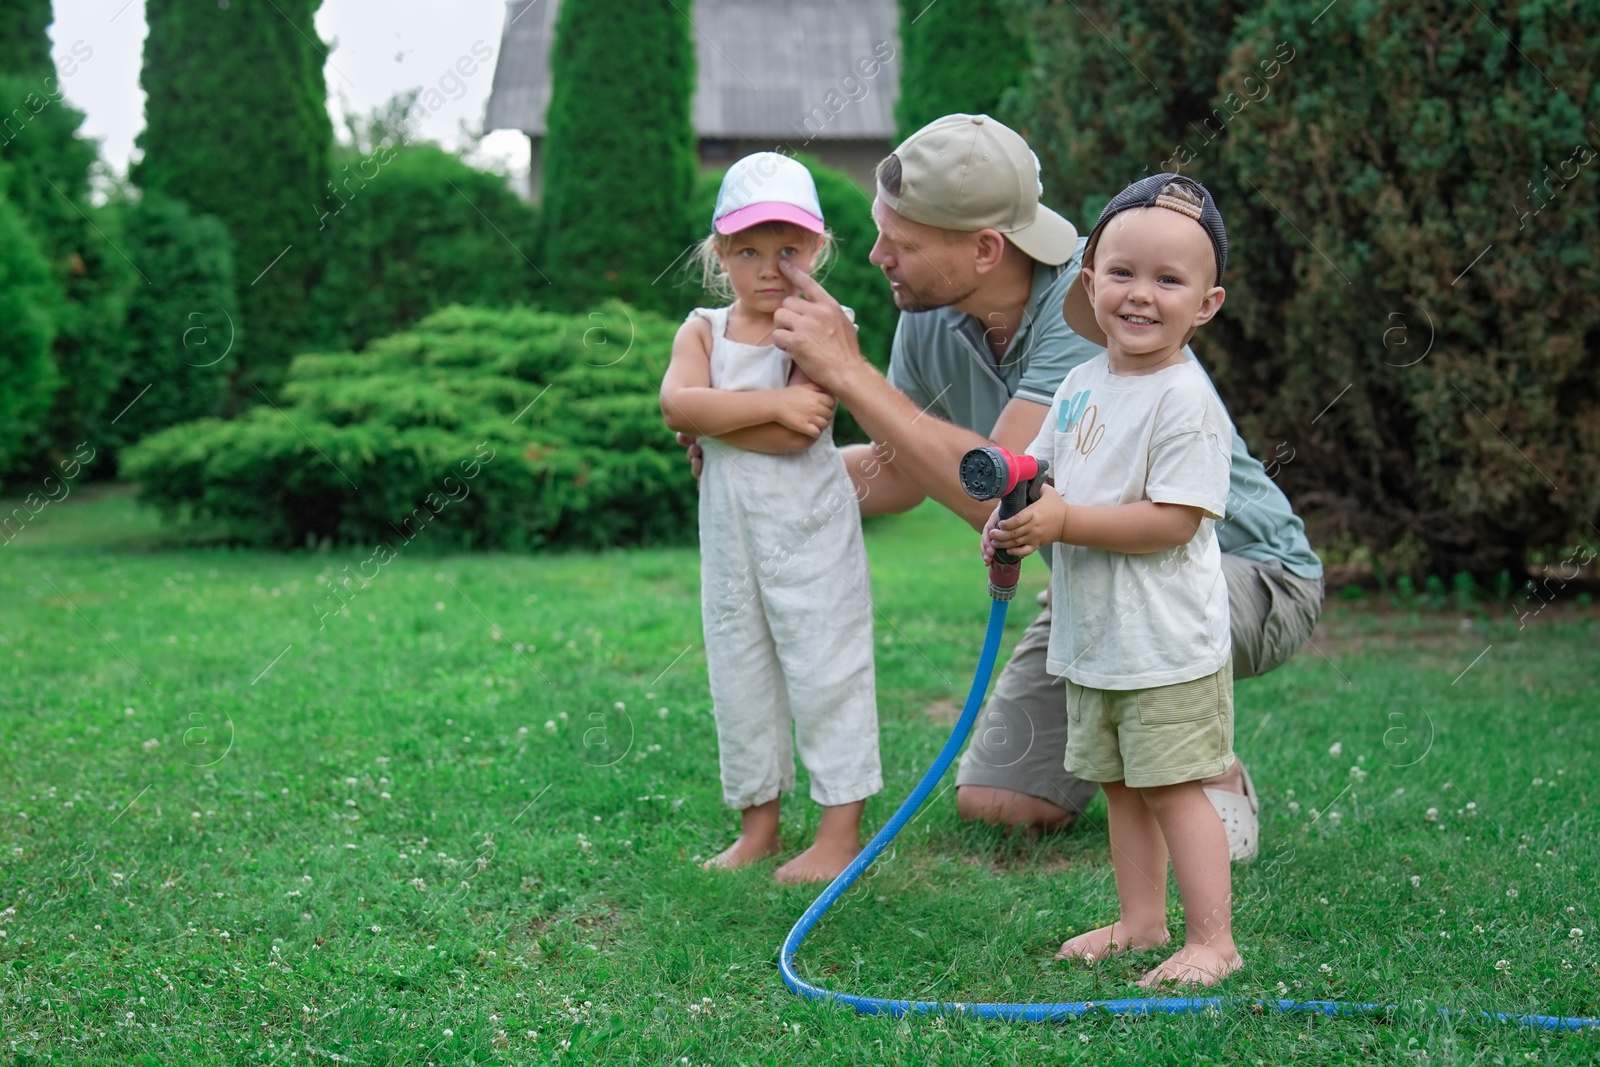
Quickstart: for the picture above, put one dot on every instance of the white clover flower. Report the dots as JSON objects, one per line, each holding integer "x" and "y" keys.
{"x": 1502, "y": 965}
{"x": 1335, "y": 749}
{"x": 1575, "y": 933}
{"x": 1416, "y": 881}
{"x": 1431, "y": 815}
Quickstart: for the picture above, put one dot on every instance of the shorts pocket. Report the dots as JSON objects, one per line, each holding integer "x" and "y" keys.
{"x": 1074, "y": 704}
{"x": 1184, "y": 702}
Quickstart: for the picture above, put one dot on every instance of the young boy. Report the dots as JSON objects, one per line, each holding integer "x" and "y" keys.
{"x": 1139, "y": 450}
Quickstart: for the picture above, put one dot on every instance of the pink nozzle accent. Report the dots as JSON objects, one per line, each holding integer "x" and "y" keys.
{"x": 755, "y": 214}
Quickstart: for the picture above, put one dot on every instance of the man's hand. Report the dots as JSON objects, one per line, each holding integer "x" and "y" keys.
{"x": 691, "y": 448}
{"x": 1041, "y": 523}
{"x": 815, "y": 331}
{"x": 984, "y": 546}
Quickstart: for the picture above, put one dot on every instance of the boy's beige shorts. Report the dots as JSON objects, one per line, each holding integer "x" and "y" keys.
{"x": 1020, "y": 739}
{"x": 1145, "y": 738}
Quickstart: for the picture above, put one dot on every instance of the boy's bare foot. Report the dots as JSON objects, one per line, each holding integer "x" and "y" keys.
{"x": 1193, "y": 965}
{"x": 743, "y": 851}
{"x": 1111, "y": 940}
{"x": 822, "y": 862}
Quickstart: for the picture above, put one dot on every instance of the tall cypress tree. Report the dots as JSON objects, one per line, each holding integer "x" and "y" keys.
{"x": 619, "y": 153}
{"x": 24, "y": 37}
{"x": 957, "y": 56}
{"x": 237, "y": 126}
{"x": 44, "y": 172}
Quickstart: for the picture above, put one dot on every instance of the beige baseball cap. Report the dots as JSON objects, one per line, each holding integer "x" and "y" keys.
{"x": 969, "y": 172}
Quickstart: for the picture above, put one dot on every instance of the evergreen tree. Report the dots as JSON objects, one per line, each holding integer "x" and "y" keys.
{"x": 956, "y": 56}
{"x": 182, "y": 328}
{"x": 25, "y": 38}
{"x": 1425, "y": 402}
{"x": 44, "y": 172}
{"x": 619, "y": 154}
{"x": 237, "y": 127}
{"x": 27, "y": 293}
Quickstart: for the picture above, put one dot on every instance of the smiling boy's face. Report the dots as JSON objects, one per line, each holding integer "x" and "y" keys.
{"x": 1153, "y": 281}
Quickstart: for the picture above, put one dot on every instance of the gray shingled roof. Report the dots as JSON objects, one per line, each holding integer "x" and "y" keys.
{"x": 763, "y": 67}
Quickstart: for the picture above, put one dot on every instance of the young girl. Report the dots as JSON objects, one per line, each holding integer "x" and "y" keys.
{"x": 786, "y": 599}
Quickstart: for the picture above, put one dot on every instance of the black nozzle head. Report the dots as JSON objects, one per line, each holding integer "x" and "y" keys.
{"x": 984, "y": 473}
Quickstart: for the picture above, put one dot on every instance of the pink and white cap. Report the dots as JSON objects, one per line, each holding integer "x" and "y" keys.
{"x": 767, "y": 187}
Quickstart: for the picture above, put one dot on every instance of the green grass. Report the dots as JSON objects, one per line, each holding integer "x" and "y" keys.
{"x": 468, "y": 810}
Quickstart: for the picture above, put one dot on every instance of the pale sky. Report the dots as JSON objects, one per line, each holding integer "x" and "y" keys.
{"x": 378, "y": 48}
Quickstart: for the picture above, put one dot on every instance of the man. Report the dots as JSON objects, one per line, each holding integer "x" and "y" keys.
{"x": 979, "y": 269}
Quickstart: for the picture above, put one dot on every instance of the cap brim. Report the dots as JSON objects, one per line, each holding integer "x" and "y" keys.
{"x": 1049, "y": 238}
{"x": 1079, "y": 313}
{"x": 755, "y": 214}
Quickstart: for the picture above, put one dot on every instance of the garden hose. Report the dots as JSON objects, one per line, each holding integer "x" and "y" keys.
{"x": 1042, "y": 1012}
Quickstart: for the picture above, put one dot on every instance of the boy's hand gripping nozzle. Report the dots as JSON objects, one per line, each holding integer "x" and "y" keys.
{"x": 990, "y": 472}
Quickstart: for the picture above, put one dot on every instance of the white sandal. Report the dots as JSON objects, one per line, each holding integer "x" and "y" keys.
{"x": 1239, "y": 818}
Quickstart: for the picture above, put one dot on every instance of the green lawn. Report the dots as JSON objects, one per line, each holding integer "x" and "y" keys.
{"x": 456, "y": 822}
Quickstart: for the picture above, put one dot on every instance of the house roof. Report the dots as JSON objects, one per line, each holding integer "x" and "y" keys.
{"x": 763, "y": 68}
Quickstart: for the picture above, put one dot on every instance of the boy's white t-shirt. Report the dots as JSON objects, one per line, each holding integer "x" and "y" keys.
{"x": 1122, "y": 621}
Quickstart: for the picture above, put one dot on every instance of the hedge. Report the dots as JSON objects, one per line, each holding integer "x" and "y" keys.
{"x": 1414, "y": 302}
{"x": 556, "y": 415}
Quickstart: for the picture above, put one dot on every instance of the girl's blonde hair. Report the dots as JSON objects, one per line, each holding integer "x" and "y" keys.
{"x": 715, "y": 280}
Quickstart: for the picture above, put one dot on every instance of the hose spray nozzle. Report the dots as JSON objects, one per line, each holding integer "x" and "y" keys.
{"x": 990, "y": 472}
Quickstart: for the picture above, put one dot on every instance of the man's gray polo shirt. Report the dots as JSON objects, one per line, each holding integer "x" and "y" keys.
{"x": 940, "y": 360}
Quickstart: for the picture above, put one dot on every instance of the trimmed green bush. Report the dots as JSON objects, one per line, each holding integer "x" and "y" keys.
{"x": 619, "y": 154}
{"x": 494, "y": 429}
{"x": 415, "y": 229}
{"x": 1414, "y": 287}
{"x": 237, "y": 126}
{"x": 182, "y": 329}
{"x": 27, "y": 293}
{"x": 958, "y": 56}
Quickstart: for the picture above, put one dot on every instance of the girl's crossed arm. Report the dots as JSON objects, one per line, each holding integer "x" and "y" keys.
{"x": 778, "y": 418}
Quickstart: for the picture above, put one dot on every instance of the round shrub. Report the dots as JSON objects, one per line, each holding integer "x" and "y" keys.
{"x": 490, "y": 429}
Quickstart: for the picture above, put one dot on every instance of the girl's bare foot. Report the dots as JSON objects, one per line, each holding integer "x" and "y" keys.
{"x": 743, "y": 851}
{"x": 822, "y": 862}
{"x": 758, "y": 838}
{"x": 1112, "y": 940}
{"x": 1193, "y": 965}
{"x": 838, "y": 842}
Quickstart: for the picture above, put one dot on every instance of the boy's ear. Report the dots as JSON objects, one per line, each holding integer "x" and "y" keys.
{"x": 1087, "y": 274}
{"x": 1210, "y": 305}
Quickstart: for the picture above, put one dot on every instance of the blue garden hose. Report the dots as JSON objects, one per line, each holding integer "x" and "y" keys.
{"x": 1041, "y": 1012}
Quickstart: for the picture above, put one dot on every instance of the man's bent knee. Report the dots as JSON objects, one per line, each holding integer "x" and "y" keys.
{"x": 1006, "y": 807}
